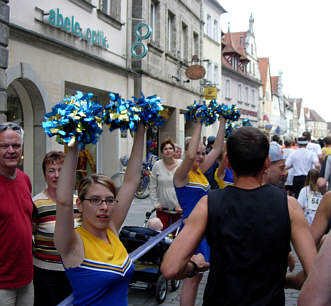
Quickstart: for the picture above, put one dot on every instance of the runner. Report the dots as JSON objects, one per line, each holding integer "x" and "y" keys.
{"x": 302, "y": 160}
{"x": 249, "y": 227}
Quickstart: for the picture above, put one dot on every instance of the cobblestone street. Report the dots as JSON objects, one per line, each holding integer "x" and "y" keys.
{"x": 139, "y": 297}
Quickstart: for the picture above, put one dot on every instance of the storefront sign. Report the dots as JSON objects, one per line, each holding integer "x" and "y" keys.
{"x": 210, "y": 93}
{"x": 139, "y": 38}
{"x": 71, "y": 25}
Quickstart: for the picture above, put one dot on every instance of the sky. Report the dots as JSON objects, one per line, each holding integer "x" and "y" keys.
{"x": 296, "y": 36}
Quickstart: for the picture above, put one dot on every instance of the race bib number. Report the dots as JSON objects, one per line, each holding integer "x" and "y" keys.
{"x": 313, "y": 201}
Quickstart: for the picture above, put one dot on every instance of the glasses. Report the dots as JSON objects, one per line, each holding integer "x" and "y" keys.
{"x": 98, "y": 202}
{"x": 10, "y": 125}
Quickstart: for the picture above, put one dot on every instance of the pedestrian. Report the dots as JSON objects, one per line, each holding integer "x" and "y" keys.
{"x": 16, "y": 206}
{"x": 161, "y": 186}
{"x": 327, "y": 149}
{"x": 249, "y": 227}
{"x": 276, "y": 172}
{"x": 314, "y": 147}
{"x": 190, "y": 185}
{"x": 210, "y": 143}
{"x": 51, "y": 284}
{"x": 302, "y": 160}
{"x": 178, "y": 152}
{"x": 223, "y": 174}
{"x": 96, "y": 262}
{"x": 204, "y": 139}
{"x": 287, "y": 151}
{"x": 309, "y": 196}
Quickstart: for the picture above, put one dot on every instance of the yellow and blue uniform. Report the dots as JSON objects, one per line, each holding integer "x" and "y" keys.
{"x": 105, "y": 273}
{"x": 188, "y": 196}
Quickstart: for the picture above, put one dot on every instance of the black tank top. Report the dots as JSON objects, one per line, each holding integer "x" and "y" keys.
{"x": 249, "y": 235}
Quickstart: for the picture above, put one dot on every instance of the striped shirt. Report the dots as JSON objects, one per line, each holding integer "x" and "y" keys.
{"x": 45, "y": 255}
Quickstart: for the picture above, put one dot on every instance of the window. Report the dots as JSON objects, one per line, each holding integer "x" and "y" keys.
{"x": 111, "y": 8}
{"x": 239, "y": 93}
{"x": 246, "y": 95}
{"x": 208, "y": 24}
{"x": 171, "y": 32}
{"x": 184, "y": 49}
{"x": 195, "y": 44}
{"x": 216, "y": 76}
{"x": 215, "y": 30}
{"x": 227, "y": 89}
{"x": 210, "y": 72}
{"x": 253, "y": 97}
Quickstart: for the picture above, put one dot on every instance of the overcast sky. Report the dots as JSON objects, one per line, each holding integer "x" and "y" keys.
{"x": 296, "y": 36}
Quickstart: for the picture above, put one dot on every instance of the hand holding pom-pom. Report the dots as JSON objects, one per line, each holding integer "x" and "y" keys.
{"x": 75, "y": 120}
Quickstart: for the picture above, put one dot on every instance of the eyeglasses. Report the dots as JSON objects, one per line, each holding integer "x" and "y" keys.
{"x": 98, "y": 201}
{"x": 10, "y": 125}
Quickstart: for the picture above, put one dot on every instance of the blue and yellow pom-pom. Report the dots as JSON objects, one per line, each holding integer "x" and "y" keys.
{"x": 75, "y": 120}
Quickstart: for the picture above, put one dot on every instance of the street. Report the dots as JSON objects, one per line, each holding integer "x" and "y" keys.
{"x": 138, "y": 297}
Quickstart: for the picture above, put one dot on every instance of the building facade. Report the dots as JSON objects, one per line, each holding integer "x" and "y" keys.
{"x": 4, "y": 37}
{"x": 241, "y": 80}
{"x": 212, "y": 53}
{"x": 315, "y": 124}
{"x": 55, "y": 49}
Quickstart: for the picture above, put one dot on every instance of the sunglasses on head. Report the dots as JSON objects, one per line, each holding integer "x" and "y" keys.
{"x": 10, "y": 125}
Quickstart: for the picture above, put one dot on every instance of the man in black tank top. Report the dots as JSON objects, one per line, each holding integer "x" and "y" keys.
{"x": 249, "y": 227}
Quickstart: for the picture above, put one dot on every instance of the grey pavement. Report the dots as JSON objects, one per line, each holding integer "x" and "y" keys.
{"x": 146, "y": 297}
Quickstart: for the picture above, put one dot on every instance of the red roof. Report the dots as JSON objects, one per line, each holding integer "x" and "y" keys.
{"x": 263, "y": 66}
{"x": 230, "y": 46}
{"x": 274, "y": 85}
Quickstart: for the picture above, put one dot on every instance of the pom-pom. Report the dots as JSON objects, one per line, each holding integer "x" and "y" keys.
{"x": 151, "y": 111}
{"x": 246, "y": 122}
{"x": 120, "y": 113}
{"x": 209, "y": 113}
{"x": 75, "y": 120}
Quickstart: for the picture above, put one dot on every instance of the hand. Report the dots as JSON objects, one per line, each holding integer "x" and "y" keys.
{"x": 291, "y": 261}
{"x": 295, "y": 281}
{"x": 200, "y": 261}
{"x": 178, "y": 210}
{"x": 158, "y": 208}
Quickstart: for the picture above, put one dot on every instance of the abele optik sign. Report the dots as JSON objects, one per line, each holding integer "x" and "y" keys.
{"x": 72, "y": 26}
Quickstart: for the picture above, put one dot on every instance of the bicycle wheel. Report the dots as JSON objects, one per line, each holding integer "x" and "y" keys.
{"x": 117, "y": 179}
{"x": 142, "y": 191}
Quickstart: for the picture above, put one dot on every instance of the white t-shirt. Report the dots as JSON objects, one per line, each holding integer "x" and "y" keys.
{"x": 309, "y": 201}
{"x": 315, "y": 147}
{"x": 302, "y": 161}
{"x": 286, "y": 153}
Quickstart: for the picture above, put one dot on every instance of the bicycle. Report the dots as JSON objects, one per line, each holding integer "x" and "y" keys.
{"x": 142, "y": 191}
{"x": 118, "y": 177}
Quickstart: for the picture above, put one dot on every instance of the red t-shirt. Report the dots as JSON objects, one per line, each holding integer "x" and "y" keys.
{"x": 16, "y": 267}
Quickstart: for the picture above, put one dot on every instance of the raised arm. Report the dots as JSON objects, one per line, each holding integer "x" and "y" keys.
{"x": 316, "y": 290}
{"x": 131, "y": 180}
{"x": 175, "y": 262}
{"x": 322, "y": 218}
{"x": 181, "y": 174}
{"x": 66, "y": 239}
{"x": 302, "y": 240}
{"x": 217, "y": 149}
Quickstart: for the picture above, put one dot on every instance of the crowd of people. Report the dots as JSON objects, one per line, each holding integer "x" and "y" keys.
{"x": 243, "y": 201}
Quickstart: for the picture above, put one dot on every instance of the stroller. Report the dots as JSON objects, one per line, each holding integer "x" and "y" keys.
{"x": 147, "y": 266}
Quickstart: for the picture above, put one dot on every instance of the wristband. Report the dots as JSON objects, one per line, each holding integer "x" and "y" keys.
{"x": 195, "y": 269}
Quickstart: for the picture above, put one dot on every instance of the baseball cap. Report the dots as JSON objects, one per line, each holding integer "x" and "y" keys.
{"x": 275, "y": 152}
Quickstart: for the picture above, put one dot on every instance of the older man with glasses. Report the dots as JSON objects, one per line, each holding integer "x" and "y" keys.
{"x": 16, "y": 206}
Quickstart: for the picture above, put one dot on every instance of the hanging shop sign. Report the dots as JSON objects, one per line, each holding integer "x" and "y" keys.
{"x": 210, "y": 93}
{"x": 139, "y": 38}
{"x": 195, "y": 72}
{"x": 72, "y": 26}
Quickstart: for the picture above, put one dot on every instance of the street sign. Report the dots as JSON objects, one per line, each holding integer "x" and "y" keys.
{"x": 210, "y": 93}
